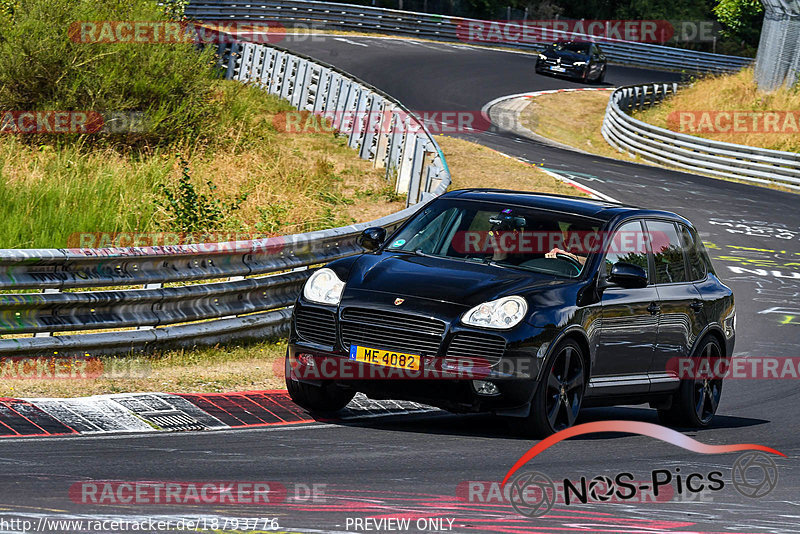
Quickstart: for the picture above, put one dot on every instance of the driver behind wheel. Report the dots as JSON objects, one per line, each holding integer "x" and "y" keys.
{"x": 553, "y": 254}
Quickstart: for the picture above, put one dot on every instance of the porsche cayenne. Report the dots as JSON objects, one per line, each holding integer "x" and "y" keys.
{"x": 526, "y": 305}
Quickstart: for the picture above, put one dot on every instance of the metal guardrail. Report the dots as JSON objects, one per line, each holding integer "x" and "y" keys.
{"x": 337, "y": 16}
{"x": 136, "y": 298}
{"x": 689, "y": 152}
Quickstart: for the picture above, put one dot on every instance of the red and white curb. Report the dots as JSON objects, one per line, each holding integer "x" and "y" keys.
{"x": 154, "y": 412}
{"x": 534, "y": 94}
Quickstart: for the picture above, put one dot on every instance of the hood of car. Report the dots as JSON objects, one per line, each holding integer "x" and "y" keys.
{"x": 566, "y": 56}
{"x": 442, "y": 279}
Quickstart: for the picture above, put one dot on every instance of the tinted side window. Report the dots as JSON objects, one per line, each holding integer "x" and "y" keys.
{"x": 627, "y": 245}
{"x": 697, "y": 267}
{"x": 667, "y": 252}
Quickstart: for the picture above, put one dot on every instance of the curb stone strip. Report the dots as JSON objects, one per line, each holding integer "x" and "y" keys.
{"x": 165, "y": 412}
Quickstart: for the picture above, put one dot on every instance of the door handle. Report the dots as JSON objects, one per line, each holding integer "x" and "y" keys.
{"x": 697, "y": 305}
{"x": 654, "y": 308}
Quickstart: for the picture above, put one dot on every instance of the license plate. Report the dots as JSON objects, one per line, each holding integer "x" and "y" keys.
{"x": 387, "y": 358}
{"x": 558, "y": 69}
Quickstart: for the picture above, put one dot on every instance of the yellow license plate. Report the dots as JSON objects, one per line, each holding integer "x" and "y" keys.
{"x": 386, "y": 358}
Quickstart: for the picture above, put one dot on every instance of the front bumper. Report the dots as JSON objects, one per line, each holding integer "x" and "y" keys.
{"x": 562, "y": 70}
{"x": 438, "y": 382}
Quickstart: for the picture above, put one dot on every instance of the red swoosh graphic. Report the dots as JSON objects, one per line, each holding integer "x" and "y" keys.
{"x": 634, "y": 427}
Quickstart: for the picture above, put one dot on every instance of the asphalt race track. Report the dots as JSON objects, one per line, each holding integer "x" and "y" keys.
{"x": 417, "y": 466}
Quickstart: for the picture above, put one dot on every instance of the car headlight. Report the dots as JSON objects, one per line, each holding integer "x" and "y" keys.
{"x": 324, "y": 287}
{"x": 542, "y": 56}
{"x": 579, "y": 64}
{"x": 501, "y": 313}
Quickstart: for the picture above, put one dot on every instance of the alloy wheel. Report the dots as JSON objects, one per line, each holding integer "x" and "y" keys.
{"x": 565, "y": 387}
{"x": 707, "y": 389}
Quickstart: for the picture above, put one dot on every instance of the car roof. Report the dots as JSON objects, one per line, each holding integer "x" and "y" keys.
{"x": 603, "y": 210}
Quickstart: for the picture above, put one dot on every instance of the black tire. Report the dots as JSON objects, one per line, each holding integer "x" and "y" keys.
{"x": 697, "y": 399}
{"x": 601, "y": 77}
{"x": 559, "y": 394}
{"x": 327, "y": 398}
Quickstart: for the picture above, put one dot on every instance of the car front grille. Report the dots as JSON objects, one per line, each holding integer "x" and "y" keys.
{"x": 315, "y": 325}
{"x": 475, "y": 349}
{"x": 394, "y": 331}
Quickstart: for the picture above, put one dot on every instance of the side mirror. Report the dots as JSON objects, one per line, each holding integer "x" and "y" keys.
{"x": 372, "y": 238}
{"x": 628, "y": 275}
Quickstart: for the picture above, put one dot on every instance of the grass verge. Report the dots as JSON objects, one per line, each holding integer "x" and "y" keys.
{"x": 573, "y": 119}
{"x": 281, "y": 183}
{"x": 240, "y": 367}
{"x": 729, "y": 93}
{"x": 474, "y": 165}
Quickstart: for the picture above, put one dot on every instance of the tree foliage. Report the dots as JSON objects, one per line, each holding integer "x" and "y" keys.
{"x": 741, "y": 19}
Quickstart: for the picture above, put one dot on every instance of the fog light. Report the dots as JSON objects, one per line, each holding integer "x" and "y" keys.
{"x": 306, "y": 359}
{"x": 482, "y": 387}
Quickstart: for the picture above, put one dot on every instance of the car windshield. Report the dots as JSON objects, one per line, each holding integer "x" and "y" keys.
{"x": 580, "y": 48}
{"x": 507, "y": 236}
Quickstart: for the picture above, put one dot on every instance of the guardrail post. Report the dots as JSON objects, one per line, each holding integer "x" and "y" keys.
{"x": 287, "y": 80}
{"x": 267, "y": 67}
{"x": 406, "y": 158}
{"x": 323, "y": 89}
{"x": 299, "y": 84}
{"x": 384, "y": 135}
{"x": 278, "y": 68}
{"x": 332, "y": 98}
{"x": 360, "y": 122}
{"x": 306, "y": 95}
{"x": 394, "y": 156}
{"x": 373, "y": 126}
{"x": 417, "y": 162}
{"x": 342, "y": 98}
{"x": 246, "y": 62}
{"x": 258, "y": 63}
{"x": 233, "y": 60}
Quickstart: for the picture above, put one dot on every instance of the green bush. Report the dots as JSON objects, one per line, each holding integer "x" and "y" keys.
{"x": 41, "y": 69}
{"x": 192, "y": 211}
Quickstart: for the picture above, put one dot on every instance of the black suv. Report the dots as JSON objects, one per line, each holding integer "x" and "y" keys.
{"x": 525, "y": 305}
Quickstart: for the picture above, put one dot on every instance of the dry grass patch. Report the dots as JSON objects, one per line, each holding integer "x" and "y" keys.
{"x": 209, "y": 370}
{"x": 733, "y": 92}
{"x": 573, "y": 119}
{"x": 473, "y": 165}
{"x": 292, "y": 183}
